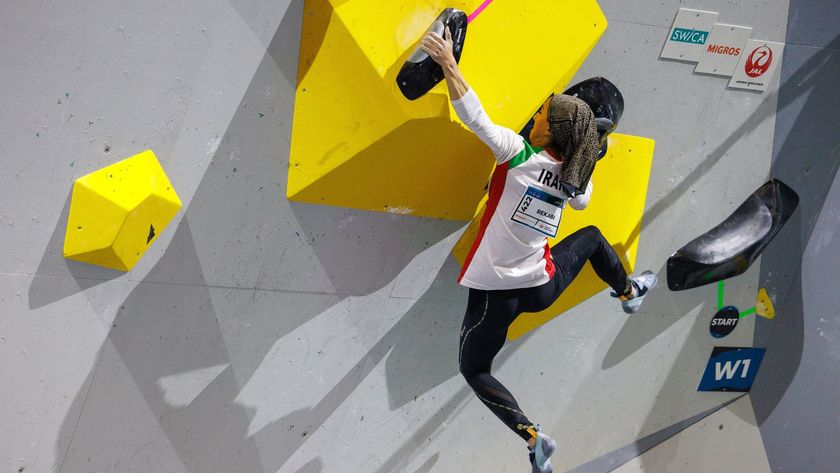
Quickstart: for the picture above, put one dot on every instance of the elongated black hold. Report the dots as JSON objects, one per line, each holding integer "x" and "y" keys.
{"x": 731, "y": 247}
{"x": 151, "y": 234}
{"x": 420, "y": 72}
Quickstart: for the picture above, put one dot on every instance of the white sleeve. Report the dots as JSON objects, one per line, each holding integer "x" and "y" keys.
{"x": 504, "y": 142}
{"x": 582, "y": 200}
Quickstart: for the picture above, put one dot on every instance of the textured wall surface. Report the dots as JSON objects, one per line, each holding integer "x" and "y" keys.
{"x": 796, "y": 397}
{"x": 260, "y": 335}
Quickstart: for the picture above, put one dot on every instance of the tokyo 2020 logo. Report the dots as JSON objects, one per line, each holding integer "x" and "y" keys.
{"x": 759, "y": 61}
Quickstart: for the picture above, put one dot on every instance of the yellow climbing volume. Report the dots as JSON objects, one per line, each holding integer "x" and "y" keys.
{"x": 117, "y": 212}
{"x": 357, "y": 142}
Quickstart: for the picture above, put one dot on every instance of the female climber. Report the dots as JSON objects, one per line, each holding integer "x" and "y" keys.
{"x": 510, "y": 268}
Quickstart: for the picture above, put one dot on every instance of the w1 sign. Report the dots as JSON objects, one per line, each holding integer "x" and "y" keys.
{"x": 731, "y": 369}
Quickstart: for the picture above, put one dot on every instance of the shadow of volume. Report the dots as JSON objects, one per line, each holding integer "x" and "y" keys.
{"x": 655, "y": 317}
{"x": 421, "y": 352}
{"x": 43, "y": 290}
{"x": 799, "y": 369}
{"x": 162, "y": 331}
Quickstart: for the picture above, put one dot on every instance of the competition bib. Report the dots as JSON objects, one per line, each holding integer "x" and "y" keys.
{"x": 539, "y": 211}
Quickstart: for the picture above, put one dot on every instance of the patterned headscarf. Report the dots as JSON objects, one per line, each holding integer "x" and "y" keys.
{"x": 573, "y": 133}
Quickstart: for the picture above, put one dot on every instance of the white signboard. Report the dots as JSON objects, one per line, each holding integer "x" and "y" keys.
{"x": 688, "y": 36}
{"x": 723, "y": 49}
{"x": 758, "y": 63}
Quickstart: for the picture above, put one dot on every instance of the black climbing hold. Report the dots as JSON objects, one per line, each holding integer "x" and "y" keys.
{"x": 420, "y": 72}
{"x": 730, "y": 248}
{"x": 151, "y": 234}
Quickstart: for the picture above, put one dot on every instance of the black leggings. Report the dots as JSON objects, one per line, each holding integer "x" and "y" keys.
{"x": 490, "y": 313}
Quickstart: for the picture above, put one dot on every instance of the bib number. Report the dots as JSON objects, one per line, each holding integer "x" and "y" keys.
{"x": 539, "y": 211}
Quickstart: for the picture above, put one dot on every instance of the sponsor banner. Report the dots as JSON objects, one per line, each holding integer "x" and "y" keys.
{"x": 723, "y": 49}
{"x": 689, "y": 35}
{"x": 731, "y": 369}
{"x": 759, "y": 61}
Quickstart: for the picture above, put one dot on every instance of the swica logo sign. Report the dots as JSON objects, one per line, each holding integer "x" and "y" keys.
{"x": 759, "y": 61}
{"x": 689, "y": 36}
{"x": 689, "y": 33}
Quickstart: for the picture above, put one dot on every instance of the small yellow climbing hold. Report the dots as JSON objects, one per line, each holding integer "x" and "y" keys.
{"x": 763, "y": 305}
{"x": 118, "y": 211}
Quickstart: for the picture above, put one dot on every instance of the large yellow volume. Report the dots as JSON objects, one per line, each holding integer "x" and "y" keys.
{"x": 619, "y": 188}
{"x": 117, "y": 212}
{"x": 357, "y": 142}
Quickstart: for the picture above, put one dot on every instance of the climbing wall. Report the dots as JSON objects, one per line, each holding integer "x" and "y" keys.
{"x": 267, "y": 330}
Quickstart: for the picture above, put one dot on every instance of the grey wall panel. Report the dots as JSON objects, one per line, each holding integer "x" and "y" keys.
{"x": 263, "y": 335}
{"x": 766, "y": 18}
{"x": 813, "y": 23}
{"x": 43, "y": 355}
{"x": 712, "y": 143}
{"x": 76, "y": 78}
{"x": 791, "y": 394}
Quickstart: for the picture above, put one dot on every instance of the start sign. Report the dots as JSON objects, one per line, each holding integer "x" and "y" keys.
{"x": 724, "y": 322}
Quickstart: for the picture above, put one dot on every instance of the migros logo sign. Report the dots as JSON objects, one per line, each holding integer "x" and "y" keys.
{"x": 724, "y": 50}
{"x": 691, "y": 36}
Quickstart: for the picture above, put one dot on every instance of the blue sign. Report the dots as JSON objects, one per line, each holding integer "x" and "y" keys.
{"x": 731, "y": 369}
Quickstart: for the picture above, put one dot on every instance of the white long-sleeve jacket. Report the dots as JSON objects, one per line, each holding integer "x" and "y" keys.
{"x": 524, "y": 206}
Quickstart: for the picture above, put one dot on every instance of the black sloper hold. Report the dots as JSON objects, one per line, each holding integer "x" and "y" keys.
{"x": 420, "y": 72}
{"x": 731, "y": 247}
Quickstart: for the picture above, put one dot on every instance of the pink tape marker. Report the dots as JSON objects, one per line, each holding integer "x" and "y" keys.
{"x": 478, "y": 11}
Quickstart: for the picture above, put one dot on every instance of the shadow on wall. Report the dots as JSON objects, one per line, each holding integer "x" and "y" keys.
{"x": 681, "y": 380}
{"x": 162, "y": 330}
{"x": 806, "y": 157}
{"x": 800, "y": 161}
{"x": 790, "y": 90}
{"x": 639, "y": 331}
{"x": 673, "y": 404}
{"x": 172, "y": 326}
{"x": 421, "y": 351}
{"x": 318, "y": 11}
{"x": 360, "y": 252}
{"x": 419, "y": 439}
{"x": 43, "y": 290}
{"x": 165, "y": 330}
